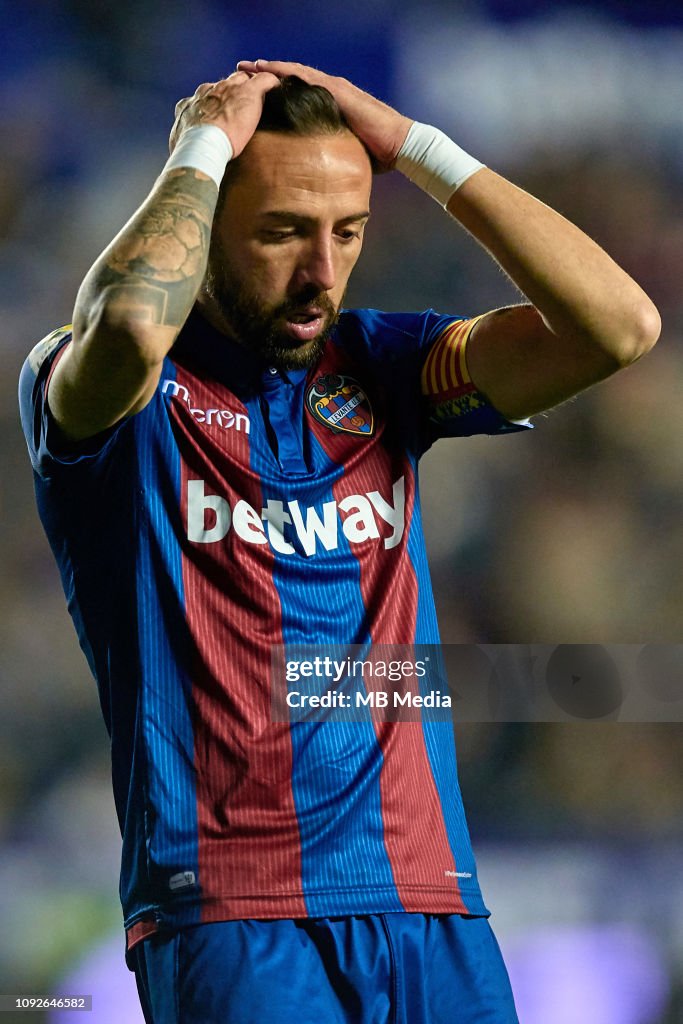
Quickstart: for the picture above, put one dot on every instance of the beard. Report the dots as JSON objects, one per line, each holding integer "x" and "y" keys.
{"x": 262, "y": 328}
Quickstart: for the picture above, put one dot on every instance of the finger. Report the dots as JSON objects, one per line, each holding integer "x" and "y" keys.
{"x": 218, "y": 88}
{"x": 258, "y": 65}
{"x": 281, "y": 68}
{"x": 263, "y": 82}
{"x": 238, "y": 76}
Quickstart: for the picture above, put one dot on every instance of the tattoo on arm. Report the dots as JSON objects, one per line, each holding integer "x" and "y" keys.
{"x": 153, "y": 272}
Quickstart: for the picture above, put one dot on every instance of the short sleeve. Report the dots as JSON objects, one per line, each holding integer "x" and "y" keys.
{"x": 453, "y": 406}
{"x": 48, "y": 449}
{"x": 419, "y": 359}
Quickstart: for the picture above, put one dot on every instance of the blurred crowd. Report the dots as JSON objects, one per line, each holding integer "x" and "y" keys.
{"x": 569, "y": 533}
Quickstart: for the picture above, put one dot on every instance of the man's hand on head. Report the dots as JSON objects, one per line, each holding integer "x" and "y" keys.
{"x": 234, "y": 104}
{"x": 380, "y": 127}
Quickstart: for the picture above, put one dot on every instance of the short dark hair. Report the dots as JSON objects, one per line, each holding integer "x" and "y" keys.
{"x": 297, "y": 108}
{"x": 294, "y": 108}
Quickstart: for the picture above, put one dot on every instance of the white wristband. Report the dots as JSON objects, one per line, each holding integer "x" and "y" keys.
{"x": 206, "y": 148}
{"x": 434, "y": 162}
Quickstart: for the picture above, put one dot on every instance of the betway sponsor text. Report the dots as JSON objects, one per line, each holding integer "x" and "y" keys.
{"x": 359, "y": 517}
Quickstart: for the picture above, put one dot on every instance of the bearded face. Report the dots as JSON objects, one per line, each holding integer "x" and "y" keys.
{"x": 286, "y": 236}
{"x": 290, "y": 335}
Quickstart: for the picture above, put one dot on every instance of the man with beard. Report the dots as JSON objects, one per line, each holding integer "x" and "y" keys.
{"x": 225, "y": 465}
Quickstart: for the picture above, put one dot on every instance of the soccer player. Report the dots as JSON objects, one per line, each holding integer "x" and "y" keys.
{"x": 226, "y": 460}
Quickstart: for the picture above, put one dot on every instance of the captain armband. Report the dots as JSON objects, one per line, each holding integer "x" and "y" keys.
{"x": 445, "y": 379}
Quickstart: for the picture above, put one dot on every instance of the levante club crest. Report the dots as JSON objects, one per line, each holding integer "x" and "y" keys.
{"x": 341, "y": 404}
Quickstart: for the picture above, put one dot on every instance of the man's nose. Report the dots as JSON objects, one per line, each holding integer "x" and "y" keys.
{"x": 316, "y": 267}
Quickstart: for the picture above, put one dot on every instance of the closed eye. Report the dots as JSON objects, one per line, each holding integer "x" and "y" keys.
{"x": 280, "y": 235}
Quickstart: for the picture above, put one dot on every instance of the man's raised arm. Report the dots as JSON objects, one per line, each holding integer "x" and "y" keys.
{"x": 588, "y": 318}
{"x": 138, "y": 294}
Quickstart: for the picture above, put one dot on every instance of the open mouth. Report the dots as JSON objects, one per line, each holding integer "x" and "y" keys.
{"x": 304, "y": 326}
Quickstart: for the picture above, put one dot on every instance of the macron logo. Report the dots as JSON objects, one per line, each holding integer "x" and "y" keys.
{"x": 220, "y": 417}
{"x": 358, "y": 516}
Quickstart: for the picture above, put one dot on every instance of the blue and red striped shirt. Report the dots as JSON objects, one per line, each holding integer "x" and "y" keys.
{"x": 247, "y": 507}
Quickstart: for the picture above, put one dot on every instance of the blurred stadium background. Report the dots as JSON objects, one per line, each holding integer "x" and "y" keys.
{"x": 567, "y": 534}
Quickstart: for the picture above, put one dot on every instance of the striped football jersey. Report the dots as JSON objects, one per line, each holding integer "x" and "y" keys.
{"x": 242, "y": 508}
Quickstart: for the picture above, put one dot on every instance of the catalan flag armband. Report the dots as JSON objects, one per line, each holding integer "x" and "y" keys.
{"x": 445, "y": 380}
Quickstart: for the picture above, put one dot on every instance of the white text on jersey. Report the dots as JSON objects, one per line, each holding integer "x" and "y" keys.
{"x": 220, "y": 417}
{"x": 360, "y": 516}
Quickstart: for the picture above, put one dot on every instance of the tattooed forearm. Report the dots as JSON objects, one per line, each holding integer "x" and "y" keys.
{"x": 170, "y": 242}
{"x": 154, "y": 268}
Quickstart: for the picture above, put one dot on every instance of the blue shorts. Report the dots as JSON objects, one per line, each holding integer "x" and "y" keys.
{"x": 398, "y": 968}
